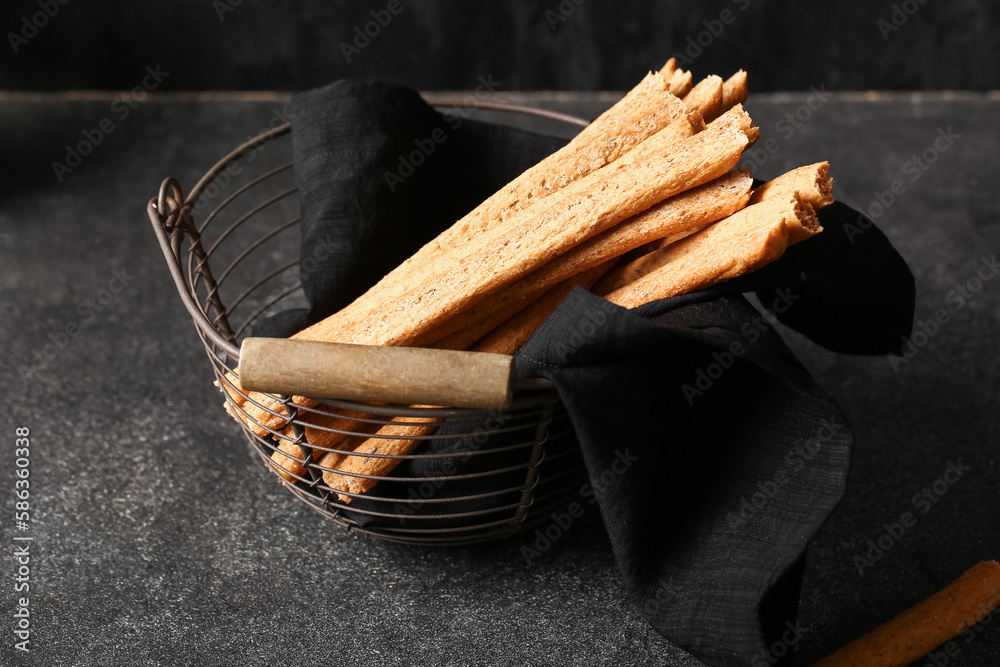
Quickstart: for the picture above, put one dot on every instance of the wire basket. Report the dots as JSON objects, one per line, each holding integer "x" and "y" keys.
{"x": 494, "y": 472}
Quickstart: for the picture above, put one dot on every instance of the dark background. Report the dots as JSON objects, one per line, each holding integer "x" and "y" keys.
{"x": 542, "y": 45}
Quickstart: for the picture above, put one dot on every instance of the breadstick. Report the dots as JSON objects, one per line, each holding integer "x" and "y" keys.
{"x": 230, "y": 384}
{"x": 505, "y": 340}
{"x": 734, "y": 91}
{"x": 597, "y": 202}
{"x": 625, "y": 272}
{"x": 668, "y": 69}
{"x": 348, "y": 444}
{"x": 731, "y": 247}
{"x": 515, "y": 332}
{"x": 398, "y": 441}
{"x": 706, "y": 97}
{"x": 287, "y": 459}
{"x": 928, "y": 624}
{"x": 680, "y": 83}
{"x": 646, "y": 109}
{"x": 812, "y": 182}
{"x": 742, "y": 242}
{"x": 687, "y": 211}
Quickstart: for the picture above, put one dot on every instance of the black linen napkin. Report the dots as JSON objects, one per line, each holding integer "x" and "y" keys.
{"x": 740, "y": 456}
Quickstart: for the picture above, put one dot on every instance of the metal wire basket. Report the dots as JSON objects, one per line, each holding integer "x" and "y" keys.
{"x": 242, "y": 262}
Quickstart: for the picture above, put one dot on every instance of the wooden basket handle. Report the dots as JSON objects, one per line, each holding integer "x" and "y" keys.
{"x": 406, "y": 375}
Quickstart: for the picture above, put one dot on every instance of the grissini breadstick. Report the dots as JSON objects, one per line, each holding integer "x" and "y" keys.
{"x": 530, "y": 239}
{"x": 689, "y": 210}
{"x": 742, "y": 242}
{"x": 396, "y": 439}
{"x": 668, "y": 69}
{"x": 734, "y": 91}
{"x": 736, "y": 247}
{"x": 510, "y": 336}
{"x": 731, "y": 247}
{"x": 347, "y": 445}
{"x": 625, "y": 272}
{"x": 505, "y": 340}
{"x": 646, "y": 109}
{"x": 515, "y": 332}
{"x": 706, "y": 98}
{"x": 604, "y": 199}
{"x": 812, "y": 183}
{"x": 596, "y": 202}
{"x": 321, "y": 431}
{"x": 928, "y": 624}
{"x": 680, "y": 82}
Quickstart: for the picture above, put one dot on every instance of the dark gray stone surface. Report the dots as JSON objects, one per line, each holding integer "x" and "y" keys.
{"x": 159, "y": 539}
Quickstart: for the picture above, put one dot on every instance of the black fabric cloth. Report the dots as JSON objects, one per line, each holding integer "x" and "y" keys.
{"x": 739, "y": 455}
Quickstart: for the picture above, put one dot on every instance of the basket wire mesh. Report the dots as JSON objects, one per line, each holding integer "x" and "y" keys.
{"x": 242, "y": 264}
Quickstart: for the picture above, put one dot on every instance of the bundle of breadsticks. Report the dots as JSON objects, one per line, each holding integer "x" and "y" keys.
{"x": 644, "y": 204}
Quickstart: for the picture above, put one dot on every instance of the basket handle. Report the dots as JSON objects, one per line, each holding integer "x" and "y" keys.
{"x": 407, "y": 375}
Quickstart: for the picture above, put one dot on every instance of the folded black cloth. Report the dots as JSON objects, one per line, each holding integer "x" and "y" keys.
{"x": 739, "y": 455}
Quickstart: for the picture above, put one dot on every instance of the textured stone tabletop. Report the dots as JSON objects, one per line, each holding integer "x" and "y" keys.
{"x": 160, "y": 539}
